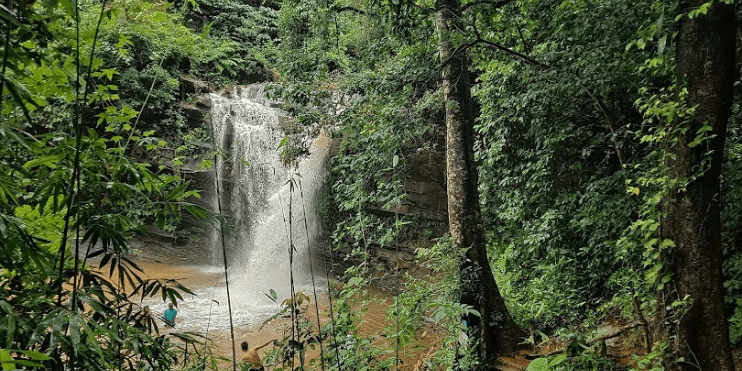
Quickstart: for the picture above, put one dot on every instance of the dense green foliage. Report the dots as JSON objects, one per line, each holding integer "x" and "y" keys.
{"x": 577, "y": 107}
{"x": 545, "y": 207}
{"x": 247, "y": 27}
{"x": 555, "y": 194}
{"x": 576, "y": 110}
{"x": 71, "y": 195}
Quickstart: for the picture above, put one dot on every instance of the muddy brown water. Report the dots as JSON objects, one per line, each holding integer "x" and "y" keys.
{"x": 207, "y": 312}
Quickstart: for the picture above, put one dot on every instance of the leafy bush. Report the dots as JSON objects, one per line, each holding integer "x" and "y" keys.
{"x": 251, "y": 29}
{"x": 552, "y": 174}
{"x": 589, "y": 361}
{"x": 733, "y": 286}
{"x": 66, "y": 190}
{"x": 149, "y": 49}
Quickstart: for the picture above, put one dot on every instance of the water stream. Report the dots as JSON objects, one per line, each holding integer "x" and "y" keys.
{"x": 255, "y": 196}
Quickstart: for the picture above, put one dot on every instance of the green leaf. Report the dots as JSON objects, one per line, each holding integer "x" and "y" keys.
{"x": 22, "y": 362}
{"x": 48, "y": 161}
{"x": 36, "y": 355}
{"x": 176, "y": 193}
{"x": 6, "y": 360}
{"x": 21, "y": 95}
{"x": 538, "y": 364}
{"x": 661, "y": 44}
{"x": 558, "y": 360}
{"x": 10, "y": 330}
{"x": 206, "y": 30}
{"x": 8, "y": 15}
{"x": 641, "y": 44}
{"x": 660, "y": 22}
{"x": 69, "y": 7}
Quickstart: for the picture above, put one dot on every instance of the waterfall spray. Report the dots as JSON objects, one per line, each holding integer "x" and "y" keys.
{"x": 224, "y": 252}
{"x": 247, "y": 131}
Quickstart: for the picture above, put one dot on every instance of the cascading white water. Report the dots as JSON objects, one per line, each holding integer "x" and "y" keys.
{"x": 255, "y": 198}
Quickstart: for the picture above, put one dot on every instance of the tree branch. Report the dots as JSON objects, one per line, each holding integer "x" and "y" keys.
{"x": 616, "y": 333}
{"x": 456, "y": 51}
{"x": 496, "y": 5}
{"x": 340, "y": 9}
{"x": 612, "y": 335}
{"x": 515, "y": 54}
{"x": 523, "y": 40}
{"x": 512, "y": 52}
{"x": 480, "y": 40}
{"x": 642, "y": 321}
{"x": 611, "y": 124}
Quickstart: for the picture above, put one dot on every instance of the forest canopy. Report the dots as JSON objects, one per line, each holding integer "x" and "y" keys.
{"x": 583, "y": 157}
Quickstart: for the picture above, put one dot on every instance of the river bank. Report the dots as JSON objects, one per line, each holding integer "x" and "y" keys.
{"x": 207, "y": 312}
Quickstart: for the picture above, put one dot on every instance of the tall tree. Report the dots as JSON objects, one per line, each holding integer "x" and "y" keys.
{"x": 495, "y": 329}
{"x": 706, "y": 65}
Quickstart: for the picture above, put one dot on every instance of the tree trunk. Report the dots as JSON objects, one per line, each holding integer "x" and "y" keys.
{"x": 495, "y": 329}
{"x": 706, "y": 64}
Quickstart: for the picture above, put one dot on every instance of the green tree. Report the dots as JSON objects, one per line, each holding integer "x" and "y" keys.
{"x": 251, "y": 26}
{"x": 66, "y": 198}
{"x": 495, "y": 330}
{"x": 691, "y": 212}
{"x": 556, "y": 147}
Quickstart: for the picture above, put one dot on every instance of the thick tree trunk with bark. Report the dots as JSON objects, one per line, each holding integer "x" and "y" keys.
{"x": 706, "y": 63}
{"x": 496, "y": 331}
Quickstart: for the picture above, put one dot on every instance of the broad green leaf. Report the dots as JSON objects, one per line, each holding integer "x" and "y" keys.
{"x": 49, "y": 161}
{"x": 23, "y": 362}
{"x": 538, "y": 364}
{"x": 36, "y": 355}
{"x": 558, "y": 360}
{"x": 177, "y": 192}
{"x": 6, "y": 360}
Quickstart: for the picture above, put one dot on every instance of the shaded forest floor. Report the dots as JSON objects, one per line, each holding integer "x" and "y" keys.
{"x": 164, "y": 261}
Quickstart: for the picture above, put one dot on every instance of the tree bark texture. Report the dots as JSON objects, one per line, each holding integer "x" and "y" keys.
{"x": 495, "y": 329}
{"x": 691, "y": 215}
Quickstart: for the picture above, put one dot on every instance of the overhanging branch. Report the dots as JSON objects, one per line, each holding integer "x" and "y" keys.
{"x": 612, "y": 124}
{"x": 340, "y": 9}
{"x": 515, "y": 54}
{"x": 496, "y": 5}
{"x": 509, "y": 51}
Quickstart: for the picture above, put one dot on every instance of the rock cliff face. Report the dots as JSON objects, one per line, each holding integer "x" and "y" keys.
{"x": 190, "y": 230}
{"x": 197, "y": 111}
{"x": 425, "y": 185}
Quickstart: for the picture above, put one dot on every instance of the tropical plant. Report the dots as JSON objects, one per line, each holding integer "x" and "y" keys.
{"x": 71, "y": 293}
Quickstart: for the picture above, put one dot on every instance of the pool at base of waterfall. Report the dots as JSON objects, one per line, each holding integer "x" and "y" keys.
{"x": 209, "y": 309}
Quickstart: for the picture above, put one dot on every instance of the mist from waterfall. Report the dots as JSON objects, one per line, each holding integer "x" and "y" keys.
{"x": 255, "y": 197}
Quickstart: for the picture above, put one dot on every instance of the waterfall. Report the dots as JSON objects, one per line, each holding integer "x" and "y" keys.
{"x": 255, "y": 199}
{"x": 247, "y": 133}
